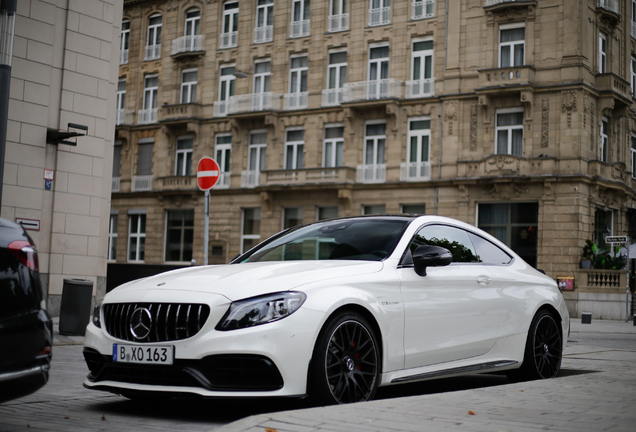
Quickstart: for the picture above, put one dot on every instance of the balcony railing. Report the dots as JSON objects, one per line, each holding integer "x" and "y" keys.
{"x": 371, "y": 90}
{"x": 179, "y": 182}
{"x": 415, "y": 171}
{"x": 610, "y": 5}
{"x": 141, "y": 183}
{"x": 332, "y": 97}
{"x": 420, "y": 88}
{"x": 295, "y": 101}
{"x": 309, "y": 176}
{"x": 115, "y": 184}
{"x": 185, "y": 44}
{"x": 263, "y": 34}
{"x": 338, "y": 22}
{"x": 229, "y": 40}
{"x": 504, "y": 77}
{"x": 254, "y": 102}
{"x": 123, "y": 57}
{"x": 124, "y": 117}
{"x": 299, "y": 28}
{"x": 422, "y": 9}
{"x": 371, "y": 173}
{"x": 380, "y": 16}
{"x": 220, "y": 108}
{"x": 147, "y": 116}
{"x": 250, "y": 179}
{"x": 153, "y": 52}
{"x": 224, "y": 181}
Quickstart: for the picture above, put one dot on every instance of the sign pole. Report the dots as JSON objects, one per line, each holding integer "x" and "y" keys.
{"x": 206, "y": 228}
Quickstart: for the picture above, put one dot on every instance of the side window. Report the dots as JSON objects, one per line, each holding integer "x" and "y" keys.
{"x": 487, "y": 252}
{"x": 453, "y": 239}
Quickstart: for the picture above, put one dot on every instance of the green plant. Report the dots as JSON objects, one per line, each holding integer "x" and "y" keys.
{"x": 605, "y": 258}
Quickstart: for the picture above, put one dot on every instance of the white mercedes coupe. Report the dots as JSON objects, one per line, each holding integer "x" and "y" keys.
{"x": 332, "y": 310}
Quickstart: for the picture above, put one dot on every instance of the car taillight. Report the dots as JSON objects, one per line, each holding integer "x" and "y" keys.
{"x": 25, "y": 253}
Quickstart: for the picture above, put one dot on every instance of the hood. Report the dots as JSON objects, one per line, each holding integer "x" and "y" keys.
{"x": 239, "y": 281}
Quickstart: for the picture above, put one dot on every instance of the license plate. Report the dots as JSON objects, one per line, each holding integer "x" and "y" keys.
{"x": 143, "y": 354}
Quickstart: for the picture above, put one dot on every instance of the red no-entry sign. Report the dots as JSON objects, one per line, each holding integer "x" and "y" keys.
{"x": 208, "y": 172}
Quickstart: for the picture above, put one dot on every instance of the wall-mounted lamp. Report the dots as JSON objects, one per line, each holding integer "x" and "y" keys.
{"x": 54, "y": 136}
{"x": 241, "y": 74}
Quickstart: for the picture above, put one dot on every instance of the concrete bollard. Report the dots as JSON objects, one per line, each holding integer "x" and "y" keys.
{"x": 586, "y": 318}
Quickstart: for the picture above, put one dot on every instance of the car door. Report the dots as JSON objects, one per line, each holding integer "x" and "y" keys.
{"x": 453, "y": 312}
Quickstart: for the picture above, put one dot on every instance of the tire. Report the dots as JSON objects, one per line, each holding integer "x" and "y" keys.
{"x": 345, "y": 366}
{"x": 544, "y": 349}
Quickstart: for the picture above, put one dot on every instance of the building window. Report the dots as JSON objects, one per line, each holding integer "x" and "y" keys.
{"x": 292, "y": 216}
{"x": 422, "y": 82}
{"x": 323, "y": 213}
{"x": 179, "y": 235}
{"x": 378, "y": 72}
{"x": 633, "y": 152}
{"x": 515, "y": 224}
{"x": 189, "y": 86}
{"x": 124, "y": 42}
{"x": 251, "y": 229}
{"x": 511, "y": 46}
{"x": 262, "y": 75}
{"x": 112, "y": 237}
{"x": 184, "y": 156}
{"x": 603, "y": 144}
{"x": 333, "y": 149}
{"x": 379, "y": 12}
{"x": 632, "y": 73}
{"x": 223, "y": 158}
{"x": 264, "y": 31}
{"x": 633, "y": 13}
{"x": 143, "y": 180}
{"x": 509, "y": 132}
{"x": 255, "y": 159}
{"x": 229, "y": 31}
{"x": 338, "y": 15}
{"x": 418, "y": 165}
{"x": 603, "y": 225}
{"x": 192, "y": 30}
{"x": 153, "y": 42}
{"x": 226, "y": 90}
{"x": 294, "y": 145}
{"x": 297, "y": 97}
{"x": 336, "y": 78}
{"x": 602, "y": 53}
{"x": 116, "y": 166}
{"x": 374, "y": 209}
{"x": 421, "y": 9}
{"x": 120, "y": 118}
{"x": 300, "y": 18}
{"x": 136, "y": 237}
{"x": 373, "y": 169}
{"x": 416, "y": 209}
{"x": 149, "y": 112}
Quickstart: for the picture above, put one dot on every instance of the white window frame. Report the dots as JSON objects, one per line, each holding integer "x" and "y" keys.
{"x": 509, "y": 129}
{"x": 262, "y": 80}
{"x": 124, "y": 43}
{"x": 265, "y": 31}
{"x": 421, "y": 9}
{"x": 632, "y": 74}
{"x": 330, "y": 156}
{"x": 189, "y": 88}
{"x": 244, "y": 236}
{"x": 300, "y": 17}
{"x": 121, "y": 102}
{"x": 296, "y": 148}
{"x": 418, "y": 169}
{"x": 338, "y": 15}
{"x": 153, "y": 38}
{"x": 633, "y": 22}
{"x": 421, "y": 85}
{"x": 136, "y": 237}
{"x": 229, "y": 36}
{"x": 150, "y": 92}
{"x": 602, "y": 53}
{"x": 378, "y": 86}
{"x": 192, "y": 23}
{"x": 183, "y": 157}
{"x": 604, "y": 139}
{"x": 373, "y": 171}
{"x": 334, "y": 91}
{"x": 379, "y": 12}
{"x": 112, "y": 236}
{"x": 512, "y": 45}
{"x": 256, "y": 154}
{"x": 223, "y": 153}
{"x": 633, "y": 154}
{"x": 297, "y": 73}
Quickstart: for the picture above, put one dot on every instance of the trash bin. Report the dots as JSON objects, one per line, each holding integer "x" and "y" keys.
{"x": 75, "y": 310}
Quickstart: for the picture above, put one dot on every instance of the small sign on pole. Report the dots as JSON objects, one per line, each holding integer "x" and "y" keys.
{"x": 616, "y": 239}
{"x": 208, "y": 172}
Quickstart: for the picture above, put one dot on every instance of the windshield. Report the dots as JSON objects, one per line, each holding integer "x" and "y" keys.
{"x": 366, "y": 239}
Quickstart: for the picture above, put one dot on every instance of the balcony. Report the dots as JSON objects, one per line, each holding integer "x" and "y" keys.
{"x": 116, "y": 182}
{"x": 371, "y": 173}
{"x": 415, "y": 171}
{"x": 153, "y": 52}
{"x": 379, "y": 16}
{"x": 494, "y": 80}
{"x": 509, "y": 165}
{"x": 220, "y": 108}
{"x": 188, "y": 45}
{"x": 501, "y": 5}
{"x": 338, "y": 23}
{"x": 299, "y": 29}
{"x": 224, "y": 181}
{"x": 420, "y": 88}
{"x": 608, "y": 10}
{"x": 610, "y": 83}
{"x": 176, "y": 112}
{"x": 254, "y": 102}
{"x": 123, "y": 117}
{"x": 332, "y": 97}
{"x": 263, "y": 34}
{"x": 295, "y": 101}
{"x": 335, "y": 175}
{"x": 229, "y": 40}
{"x": 147, "y": 116}
{"x": 373, "y": 90}
{"x": 422, "y": 9}
{"x": 176, "y": 183}
{"x": 141, "y": 183}
{"x": 250, "y": 179}
{"x": 123, "y": 57}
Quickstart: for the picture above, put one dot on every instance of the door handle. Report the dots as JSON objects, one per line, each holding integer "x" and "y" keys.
{"x": 484, "y": 280}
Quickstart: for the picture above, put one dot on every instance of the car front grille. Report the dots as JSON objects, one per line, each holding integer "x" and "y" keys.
{"x": 167, "y": 321}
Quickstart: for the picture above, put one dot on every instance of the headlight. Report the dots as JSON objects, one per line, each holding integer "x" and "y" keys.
{"x": 97, "y": 322}
{"x": 261, "y": 310}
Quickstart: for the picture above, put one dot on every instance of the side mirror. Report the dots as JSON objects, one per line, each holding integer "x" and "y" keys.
{"x": 430, "y": 256}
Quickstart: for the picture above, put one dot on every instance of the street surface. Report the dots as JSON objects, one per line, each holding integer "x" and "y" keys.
{"x": 598, "y": 379}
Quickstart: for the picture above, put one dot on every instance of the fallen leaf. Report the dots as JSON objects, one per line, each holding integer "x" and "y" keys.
{"x": 103, "y": 418}
{"x": 471, "y": 412}
{"x": 28, "y": 425}
{"x": 66, "y": 417}
{"x": 270, "y": 430}
{"x": 521, "y": 391}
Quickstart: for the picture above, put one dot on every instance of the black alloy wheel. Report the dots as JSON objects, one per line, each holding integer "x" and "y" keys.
{"x": 346, "y": 363}
{"x": 544, "y": 349}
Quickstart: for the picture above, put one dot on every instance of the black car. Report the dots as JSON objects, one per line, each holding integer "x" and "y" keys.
{"x": 26, "y": 329}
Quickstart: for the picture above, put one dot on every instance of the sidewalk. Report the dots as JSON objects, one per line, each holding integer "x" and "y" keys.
{"x": 59, "y": 339}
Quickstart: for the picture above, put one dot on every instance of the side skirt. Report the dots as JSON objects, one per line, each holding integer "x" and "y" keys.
{"x": 459, "y": 370}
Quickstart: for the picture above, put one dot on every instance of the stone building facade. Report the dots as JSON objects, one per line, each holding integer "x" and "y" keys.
{"x": 514, "y": 116}
{"x": 64, "y": 72}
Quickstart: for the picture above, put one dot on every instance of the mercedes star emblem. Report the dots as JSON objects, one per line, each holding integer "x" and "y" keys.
{"x": 140, "y": 323}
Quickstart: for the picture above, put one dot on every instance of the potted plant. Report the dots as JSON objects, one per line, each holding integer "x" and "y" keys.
{"x": 586, "y": 260}
{"x": 602, "y": 259}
